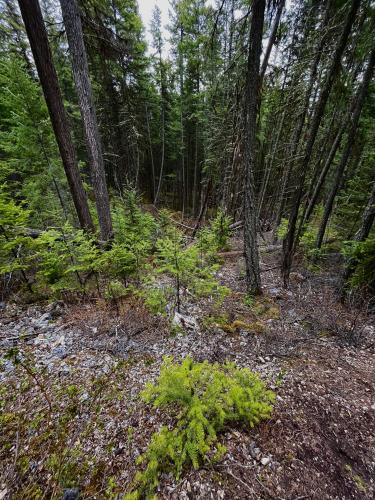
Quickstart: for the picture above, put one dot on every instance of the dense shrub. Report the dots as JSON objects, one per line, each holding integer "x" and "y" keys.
{"x": 360, "y": 257}
{"x": 14, "y": 245}
{"x": 66, "y": 259}
{"x": 204, "y": 398}
{"x": 189, "y": 268}
{"x": 215, "y": 237}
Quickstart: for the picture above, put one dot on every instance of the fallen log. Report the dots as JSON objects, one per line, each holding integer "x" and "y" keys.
{"x": 236, "y": 225}
{"x": 236, "y": 253}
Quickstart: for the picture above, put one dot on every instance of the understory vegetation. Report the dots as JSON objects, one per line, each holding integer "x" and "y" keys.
{"x": 178, "y": 202}
{"x": 66, "y": 263}
{"x": 205, "y": 398}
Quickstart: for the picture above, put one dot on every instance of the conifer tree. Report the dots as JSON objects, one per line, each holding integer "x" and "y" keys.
{"x": 251, "y": 107}
{"x": 77, "y": 49}
{"x": 32, "y": 17}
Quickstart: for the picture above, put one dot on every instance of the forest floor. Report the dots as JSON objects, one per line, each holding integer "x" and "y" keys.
{"x": 71, "y": 415}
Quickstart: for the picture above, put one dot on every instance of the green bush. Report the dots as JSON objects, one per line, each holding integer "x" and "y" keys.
{"x": 62, "y": 257}
{"x": 14, "y": 245}
{"x": 204, "y": 398}
{"x": 69, "y": 260}
{"x": 133, "y": 228}
{"x": 361, "y": 261}
{"x": 118, "y": 262}
{"x": 215, "y": 237}
{"x": 155, "y": 299}
{"x": 188, "y": 267}
{"x": 220, "y": 229}
{"x": 115, "y": 290}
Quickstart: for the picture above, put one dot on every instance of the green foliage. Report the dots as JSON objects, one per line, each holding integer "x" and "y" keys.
{"x": 133, "y": 227}
{"x": 63, "y": 259}
{"x": 187, "y": 266}
{"x": 308, "y": 242}
{"x": 204, "y": 398}
{"x": 155, "y": 299}
{"x": 14, "y": 244}
{"x": 249, "y": 300}
{"x": 29, "y": 159}
{"x": 361, "y": 260}
{"x": 282, "y": 230}
{"x": 220, "y": 229}
{"x": 69, "y": 260}
{"x": 115, "y": 290}
{"x": 62, "y": 256}
{"x": 135, "y": 235}
{"x": 215, "y": 237}
{"x": 118, "y": 262}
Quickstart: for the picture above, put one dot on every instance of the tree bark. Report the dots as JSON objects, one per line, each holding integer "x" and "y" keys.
{"x": 324, "y": 172}
{"x": 251, "y": 105}
{"x": 301, "y": 118}
{"x": 289, "y": 242}
{"x": 361, "y": 95}
{"x": 272, "y": 39}
{"x": 153, "y": 188}
{"x": 37, "y": 34}
{"x": 368, "y": 218}
{"x": 73, "y": 27}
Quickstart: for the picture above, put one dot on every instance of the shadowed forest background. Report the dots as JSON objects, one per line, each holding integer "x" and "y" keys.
{"x": 218, "y": 181}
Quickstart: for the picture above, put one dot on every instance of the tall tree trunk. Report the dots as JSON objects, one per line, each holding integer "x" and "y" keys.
{"x": 301, "y": 118}
{"x": 183, "y": 166}
{"x": 37, "y": 34}
{"x": 289, "y": 242}
{"x": 151, "y": 155}
{"x": 251, "y": 108}
{"x": 321, "y": 174}
{"x": 368, "y": 218}
{"x": 324, "y": 172}
{"x": 361, "y": 95}
{"x": 271, "y": 39}
{"x": 162, "y": 116}
{"x": 77, "y": 49}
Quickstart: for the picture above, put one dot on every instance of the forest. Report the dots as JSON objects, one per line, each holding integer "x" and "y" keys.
{"x": 187, "y": 249}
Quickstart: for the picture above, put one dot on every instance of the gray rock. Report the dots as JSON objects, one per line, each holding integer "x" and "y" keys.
{"x": 57, "y": 309}
{"x": 59, "y": 352}
{"x": 185, "y": 322}
{"x": 275, "y": 292}
{"x": 255, "y": 451}
{"x": 43, "y": 320}
{"x": 70, "y": 494}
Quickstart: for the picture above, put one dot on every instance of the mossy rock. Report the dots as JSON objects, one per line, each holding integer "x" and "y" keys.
{"x": 254, "y": 327}
{"x": 323, "y": 334}
{"x": 238, "y": 325}
{"x": 273, "y": 313}
{"x": 266, "y": 308}
{"x": 227, "y": 327}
